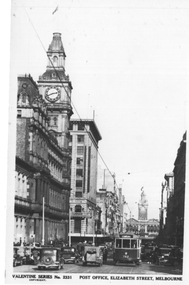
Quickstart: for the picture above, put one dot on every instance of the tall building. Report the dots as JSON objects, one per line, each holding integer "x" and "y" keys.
{"x": 144, "y": 227}
{"x": 84, "y": 213}
{"x": 143, "y": 207}
{"x": 172, "y": 227}
{"x": 111, "y": 202}
{"x": 42, "y": 155}
{"x": 55, "y": 87}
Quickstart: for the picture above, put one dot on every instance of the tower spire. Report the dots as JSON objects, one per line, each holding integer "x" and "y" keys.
{"x": 56, "y": 54}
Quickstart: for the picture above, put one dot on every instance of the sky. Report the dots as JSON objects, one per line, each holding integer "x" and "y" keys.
{"x": 128, "y": 64}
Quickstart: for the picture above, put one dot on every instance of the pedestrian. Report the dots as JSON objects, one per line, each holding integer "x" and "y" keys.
{"x": 105, "y": 254}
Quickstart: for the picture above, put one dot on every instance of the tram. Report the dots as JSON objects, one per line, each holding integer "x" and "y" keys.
{"x": 127, "y": 250}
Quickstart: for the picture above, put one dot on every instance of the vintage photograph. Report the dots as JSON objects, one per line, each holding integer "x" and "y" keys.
{"x": 97, "y": 141}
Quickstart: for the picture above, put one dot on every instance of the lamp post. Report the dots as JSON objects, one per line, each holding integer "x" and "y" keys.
{"x": 93, "y": 223}
{"x": 123, "y": 212}
{"x": 93, "y": 227}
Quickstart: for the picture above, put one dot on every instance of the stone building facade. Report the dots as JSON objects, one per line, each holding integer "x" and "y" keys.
{"x": 112, "y": 209}
{"x": 143, "y": 227}
{"x": 42, "y": 156}
{"x": 172, "y": 216}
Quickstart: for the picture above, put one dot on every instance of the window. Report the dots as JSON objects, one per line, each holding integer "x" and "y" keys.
{"x": 55, "y": 60}
{"x": 19, "y": 113}
{"x": 126, "y": 243}
{"x": 80, "y": 138}
{"x": 81, "y": 126}
{"x": 118, "y": 243}
{"x": 79, "y": 161}
{"x": 78, "y": 194}
{"x": 79, "y": 172}
{"x": 78, "y": 209}
{"x": 133, "y": 244}
{"x": 79, "y": 183}
{"x": 55, "y": 121}
{"x": 77, "y": 228}
{"x": 80, "y": 150}
{"x": 24, "y": 97}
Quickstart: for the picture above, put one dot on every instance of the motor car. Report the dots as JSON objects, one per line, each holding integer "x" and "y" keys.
{"x": 69, "y": 254}
{"x": 176, "y": 255}
{"x": 18, "y": 259}
{"x": 147, "y": 252}
{"x": 50, "y": 258}
{"x": 162, "y": 255}
{"x": 92, "y": 255}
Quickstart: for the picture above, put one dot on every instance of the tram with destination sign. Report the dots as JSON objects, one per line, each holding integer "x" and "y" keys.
{"x": 127, "y": 250}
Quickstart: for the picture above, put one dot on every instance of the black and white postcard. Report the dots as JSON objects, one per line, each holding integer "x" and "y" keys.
{"x": 96, "y": 186}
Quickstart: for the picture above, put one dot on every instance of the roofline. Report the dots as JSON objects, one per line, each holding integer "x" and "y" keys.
{"x": 88, "y": 121}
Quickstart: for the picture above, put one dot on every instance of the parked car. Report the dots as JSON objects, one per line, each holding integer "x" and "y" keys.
{"x": 147, "y": 252}
{"x": 18, "y": 259}
{"x": 176, "y": 255}
{"x": 69, "y": 254}
{"x": 180, "y": 256}
{"x": 166, "y": 255}
{"x": 50, "y": 258}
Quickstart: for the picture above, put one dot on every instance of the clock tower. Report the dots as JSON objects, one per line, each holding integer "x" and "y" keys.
{"x": 143, "y": 207}
{"x": 55, "y": 87}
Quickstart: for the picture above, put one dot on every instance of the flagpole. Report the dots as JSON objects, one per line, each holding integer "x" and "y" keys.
{"x": 55, "y": 18}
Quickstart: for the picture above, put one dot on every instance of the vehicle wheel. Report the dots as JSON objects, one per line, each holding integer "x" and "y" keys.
{"x": 137, "y": 262}
{"x": 84, "y": 263}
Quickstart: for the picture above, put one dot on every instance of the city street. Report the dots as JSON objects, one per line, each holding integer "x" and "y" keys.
{"x": 108, "y": 268}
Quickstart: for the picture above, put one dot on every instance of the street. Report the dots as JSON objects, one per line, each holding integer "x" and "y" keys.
{"x": 108, "y": 268}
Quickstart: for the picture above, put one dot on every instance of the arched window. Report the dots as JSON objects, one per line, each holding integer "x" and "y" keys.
{"x": 78, "y": 209}
{"x": 55, "y": 121}
{"x": 55, "y": 60}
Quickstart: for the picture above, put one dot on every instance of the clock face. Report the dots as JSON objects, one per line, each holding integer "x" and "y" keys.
{"x": 52, "y": 94}
{"x": 24, "y": 85}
